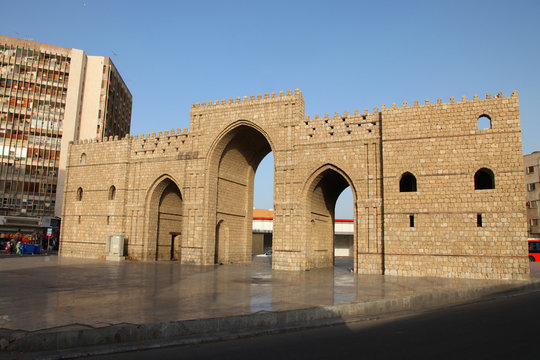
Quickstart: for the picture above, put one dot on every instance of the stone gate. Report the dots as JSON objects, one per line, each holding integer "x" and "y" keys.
{"x": 435, "y": 193}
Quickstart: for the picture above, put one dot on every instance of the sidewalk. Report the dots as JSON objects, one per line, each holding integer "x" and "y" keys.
{"x": 50, "y": 303}
{"x": 3, "y": 254}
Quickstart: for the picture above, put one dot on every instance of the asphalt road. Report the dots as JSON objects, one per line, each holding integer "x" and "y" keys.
{"x": 504, "y": 327}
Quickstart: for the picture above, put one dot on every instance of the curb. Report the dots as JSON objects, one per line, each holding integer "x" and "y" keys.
{"x": 82, "y": 340}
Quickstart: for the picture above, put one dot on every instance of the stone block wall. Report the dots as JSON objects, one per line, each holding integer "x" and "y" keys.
{"x": 432, "y": 231}
{"x": 458, "y": 231}
{"x": 96, "y": 191}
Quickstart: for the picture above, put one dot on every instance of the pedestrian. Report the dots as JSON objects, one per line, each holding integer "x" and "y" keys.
{"x": 19, "y": 247}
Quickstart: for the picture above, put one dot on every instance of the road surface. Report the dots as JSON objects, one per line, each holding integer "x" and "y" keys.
{"x": 505, "y": 327}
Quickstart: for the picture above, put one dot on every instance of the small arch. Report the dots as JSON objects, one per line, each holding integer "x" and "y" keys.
{"x": 82, "y": 159}
{"x": 79, "y": 194}
{"x": 407, "y": 183}
{"x": 484, "y": 179}
{"x": 221, "y": 244}
{"x": 112, "y": 192}
{"x": 484, "y": 122}
{"x": 164, "y": 220}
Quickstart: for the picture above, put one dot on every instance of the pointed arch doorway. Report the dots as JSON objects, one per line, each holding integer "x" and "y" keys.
{"x": 236, "y": 158}
{"x": 325, "y": 187}
{"x": 165, "y": 222}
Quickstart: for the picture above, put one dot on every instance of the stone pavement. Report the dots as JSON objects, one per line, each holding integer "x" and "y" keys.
{"x": 51, "y": 303}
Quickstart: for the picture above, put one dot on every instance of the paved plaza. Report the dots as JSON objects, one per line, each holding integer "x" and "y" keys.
{"x": 47, "y": 293}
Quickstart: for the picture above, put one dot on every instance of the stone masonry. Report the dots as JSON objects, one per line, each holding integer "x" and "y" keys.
{"x": 434, "y": 193}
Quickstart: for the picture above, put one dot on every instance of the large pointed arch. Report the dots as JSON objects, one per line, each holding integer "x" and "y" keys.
{"x": 321, "y": 191}
{"x": 231, "y": 164}
{"x": 164, "y": 220}
{"x": 225, "y": 137}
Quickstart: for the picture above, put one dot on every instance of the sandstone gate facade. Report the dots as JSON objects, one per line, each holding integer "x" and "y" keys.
{"x": 434, "y": 195}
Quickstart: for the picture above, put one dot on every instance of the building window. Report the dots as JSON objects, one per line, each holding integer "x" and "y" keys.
{"x": 411, "y": 221}
{"x": 108, "y": 220}
{"x": 531, "y": 187}
{"x": 79, "y": 194}
{"x": 484, "y": 179}
{"x": 83, "y": 158}
{"x": 530, "y": 170}
{"x": 112, "y": 192}
{"x": 534, "y": 222}
{"x": 479, "y": 220}
{"x": 407, "y": 183}
{"x": 484, "y": 122}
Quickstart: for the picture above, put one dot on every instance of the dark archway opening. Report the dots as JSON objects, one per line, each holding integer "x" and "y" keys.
{"x": 484, "y": 179}
{"x": 222, "y": 239}
{"x": 168, "y": 220}
{"x": 407, "y": 183}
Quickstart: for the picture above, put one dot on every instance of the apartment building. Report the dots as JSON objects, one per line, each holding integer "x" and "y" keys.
{"x": 49, "y": 96}
{"x": 532, "y": 184}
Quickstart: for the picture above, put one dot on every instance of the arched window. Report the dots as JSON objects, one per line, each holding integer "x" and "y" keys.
{"x": 484, "y": 179}
{"x": 112, "y": 192}
{"x": 484, "y": 122}
{"x": 79, "y": 194}
{"x": 407, "y": 183}
{"x": 83, "y": 158}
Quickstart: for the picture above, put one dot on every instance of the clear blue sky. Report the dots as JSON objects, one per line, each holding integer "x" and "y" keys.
{"x": 343, "y": 55}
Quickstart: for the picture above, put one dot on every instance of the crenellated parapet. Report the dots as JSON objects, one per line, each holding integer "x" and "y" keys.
{"x": 346, "y": 126}
{"x": 451, "y": 119}
{"x": 488, "y": 96}
{"x": 162, "y": 143}
{"x": 289, "y": 105}
{"x": 366, "y": 125}
{"x": 166, "y": 143}
{"x": 252, "y": 100}
{"x": 147, "y": 136}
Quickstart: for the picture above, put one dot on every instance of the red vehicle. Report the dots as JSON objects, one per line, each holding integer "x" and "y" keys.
{"x": 534, "y": 250}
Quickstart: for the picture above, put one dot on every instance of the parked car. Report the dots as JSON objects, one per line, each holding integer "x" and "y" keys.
{"x": 266, "y": 254}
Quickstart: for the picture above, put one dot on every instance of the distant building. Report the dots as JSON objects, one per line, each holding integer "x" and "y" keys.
{"x": 49, "y": 96}
{"x": 263, "y": 227}
{"x": 532, "y": 191}
{"x": 263, "y": 221}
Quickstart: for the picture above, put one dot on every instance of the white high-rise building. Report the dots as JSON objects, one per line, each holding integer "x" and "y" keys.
{"x": 49, "y": 96}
